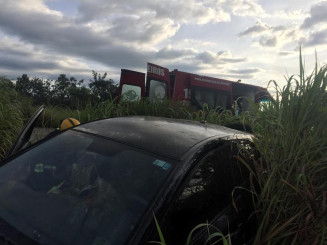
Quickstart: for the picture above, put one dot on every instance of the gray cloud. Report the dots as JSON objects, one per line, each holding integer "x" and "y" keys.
{"x": 133, "y": 30}
{"x": 279, "y": 28}
{"x": 188, "y": 11}
{"x": 317, "y": 15}
{"x": 259, "y": 27}
{"x": 207, "y": 57}
{"x": 17, "y": 58}
{"x": 233, "y": 60}
{"x": 25, "y": 65}
{"x": 191, "y": 67}
{"x": 222, "y": 57}
{"x": 292, "y": 34}
{"x": 16, "y": 51}
{"x": 223, "y": 52}
{"x": 317, "y": 38}
{"x": 61, "y": 35}
{"x": 116, "y": 34}
{"x": 244, "y": 71}
{"x": 268, "y": 41}
{"x": 243, "y": 7}
{"x": 119, "y": 45}
{"x": 285, "y": 53}
{"x": 272, "y": 36}
{"x": 171, "y": 54}
{"x": 192, "y": 61}
{"x": 234, "y": 77}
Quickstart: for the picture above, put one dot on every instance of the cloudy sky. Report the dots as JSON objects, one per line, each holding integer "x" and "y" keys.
{"x": 252, "y": 40}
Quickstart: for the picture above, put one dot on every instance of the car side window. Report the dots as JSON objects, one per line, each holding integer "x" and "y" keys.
{"x": 206, "y": 193}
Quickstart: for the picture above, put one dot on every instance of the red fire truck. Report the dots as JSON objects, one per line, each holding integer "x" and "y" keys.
{"x": 198, "y": 90}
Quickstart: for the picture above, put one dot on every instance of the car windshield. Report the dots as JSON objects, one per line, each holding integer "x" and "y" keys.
{"x": 157, "y": 90}
{"x": 79, "y": 189}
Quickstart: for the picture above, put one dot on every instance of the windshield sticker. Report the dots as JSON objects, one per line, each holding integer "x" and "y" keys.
{"x": 164, "y": 165}
{"x": 159, "y": 163}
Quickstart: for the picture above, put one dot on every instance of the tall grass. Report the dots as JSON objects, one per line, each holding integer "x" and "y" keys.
{"x": 292, "y": 174}
{"x": 11, "y": 118}
{"x": 214, "y": 235}
{"x": 110, "y": 108}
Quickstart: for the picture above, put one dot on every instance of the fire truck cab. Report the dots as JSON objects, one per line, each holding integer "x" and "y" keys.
{"x": 198, "y": 90}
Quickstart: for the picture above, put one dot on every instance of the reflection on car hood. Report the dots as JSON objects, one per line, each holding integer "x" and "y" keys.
{"x": 166, "y": 137}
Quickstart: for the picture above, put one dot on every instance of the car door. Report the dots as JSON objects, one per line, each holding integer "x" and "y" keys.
{"x": 24, "y": 137}
{"x": 131, "y": 86}
{"x": 207, "y": 196}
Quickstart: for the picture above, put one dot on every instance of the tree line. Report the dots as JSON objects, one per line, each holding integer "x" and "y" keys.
{"x": 66, "y": 91}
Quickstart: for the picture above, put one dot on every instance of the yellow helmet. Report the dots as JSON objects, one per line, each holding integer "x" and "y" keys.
{"x": 68, "y": 123}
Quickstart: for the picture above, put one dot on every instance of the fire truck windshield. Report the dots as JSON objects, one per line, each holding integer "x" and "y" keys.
{"x": 215, "y": 99}
{"x": 131, "y": 92}
{"x": 157, "y": 90}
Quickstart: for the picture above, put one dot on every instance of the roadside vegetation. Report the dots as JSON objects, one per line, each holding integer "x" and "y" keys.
{"x": 290, "y": 134}
{"x": 11, "y": 115}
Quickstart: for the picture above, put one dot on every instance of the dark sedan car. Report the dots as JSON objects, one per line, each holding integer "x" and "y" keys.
{"x": 102, "y": 183}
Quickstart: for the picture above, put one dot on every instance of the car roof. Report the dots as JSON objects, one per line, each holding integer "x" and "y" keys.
{"x": 167, "y": 137}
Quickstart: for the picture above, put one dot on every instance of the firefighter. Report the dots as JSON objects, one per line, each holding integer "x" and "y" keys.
{"x": 64, "y": 124}
{"x": 68, "y": 123}
{"x": 239, "y": 102}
